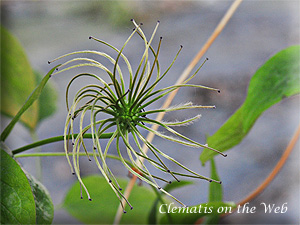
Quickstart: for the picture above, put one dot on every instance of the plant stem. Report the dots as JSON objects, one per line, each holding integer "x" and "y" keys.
{"x": 54, "y": 139}
{"x": 38, "y": 163}
{"x": 276, "y": 169}
{"x": 171, "y": 96}
{"x": 51, "y": 154}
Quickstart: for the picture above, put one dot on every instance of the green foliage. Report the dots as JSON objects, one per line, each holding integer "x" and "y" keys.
{"x": 43, "y": 203}
{"x": 30, "y": 100}
{"x": 15, "y": 73}
{"x": 276, "y": 79}
{"x": 17, "y": 202}
{"x": 104, "y": 204}
{"x": 215, "y": 192}
{"x": 47, "y": 100}
{"x": 215, "y": 189}
{"x": 17, "y": 80}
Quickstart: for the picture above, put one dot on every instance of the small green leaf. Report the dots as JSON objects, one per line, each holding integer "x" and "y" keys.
{"x": 43, "y": 203}
{"x": 276, "y": 79}
{"x": 103, "y": 207}
{"x": 47, "y": 100}
{"x": 215, "y": 192}
{"x": 152, "y": 218}
{"x": 30, "y": 100}
{"x": 215, "y": 189}
{"x": 17, "y": 202}
{"x": 191, "y": 214}
{"x": 17, "y": 79}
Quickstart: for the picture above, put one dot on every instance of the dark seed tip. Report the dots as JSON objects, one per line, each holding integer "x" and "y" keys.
{"x": 124, "y": 211}
{"x": 210, "y": 181}
{"x": 206, "y": 58}
{"x": 90, "y": 160}
{"x": 73, "y": 173}
{"x": 168, "y": 171}
{"x": 178, "y": 180}
{"x": 220, "y": 182}
{"x": 120, "y": 189}
{"x": 81, "y": 197}
{"x": 90, "y": 37}
{"x": 131, "y": 208}
{"x": 131, "y": 19}
{"x": 50, "y": 76}
{"x": 219, "y": 91}
{"x": 225, "y": 155}
{"x": 56, "y": 68}
{"x": 181, "y": 46}
{"x": 90, "y": 199}
{"x": 49, "y": 62}
{"x": 109, "y": 181}
{"x": 159, "y": 188}
{"x": 170, "y": 182}
{"x": 141, "y": 24}
{"x": 160, "y": 38}
{"x": 133, "y": 29}
{"x": 158, "y": 21}
{"x": 73, "y": 143}
{"x": 95, "y": 148}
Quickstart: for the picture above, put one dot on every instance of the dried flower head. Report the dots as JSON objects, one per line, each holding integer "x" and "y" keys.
{"x": 125, "y": 107}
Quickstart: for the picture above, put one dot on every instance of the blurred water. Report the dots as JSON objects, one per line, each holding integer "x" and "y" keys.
{"x": 258, "y": 30}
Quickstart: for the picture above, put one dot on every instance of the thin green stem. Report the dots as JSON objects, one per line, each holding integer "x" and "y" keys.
{"x": 55, "y": 139}
{"x": 53, "y": 154}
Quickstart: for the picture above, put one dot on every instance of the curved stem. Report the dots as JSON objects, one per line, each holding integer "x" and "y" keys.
{"x": 180, "y": 80}
{"x": 276, "y": 169}
{"x": 54, "y": 139}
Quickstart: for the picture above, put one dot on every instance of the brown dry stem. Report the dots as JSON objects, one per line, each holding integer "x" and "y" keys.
{"x": 276, "y": 169}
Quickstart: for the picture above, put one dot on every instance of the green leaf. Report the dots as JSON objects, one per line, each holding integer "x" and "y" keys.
{"x": 17, "y": 79}
{"x": 30, "y": 100}
{"x": 215, "y": 192}
{"x": 152, "y": 218}
{"x": 47, "y": 100}
{"x": 17, "y": 202}
{"x": 103, "y": 207}
{"x": 278, "y": 78}
{"x": 43, "y": 203}
{"x": 191, "y": 214}
{"x": 215, "y": 189}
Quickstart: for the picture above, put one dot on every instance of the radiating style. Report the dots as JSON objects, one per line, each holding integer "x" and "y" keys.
{"x": 126, "y": 107}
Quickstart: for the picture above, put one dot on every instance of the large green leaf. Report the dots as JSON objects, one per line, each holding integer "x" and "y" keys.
{"x": 30, "y": 100}
{"x": 191, "y": 214}
{"x": 43, "y": 202}
{"x": 103, "y": 207}
{"x": 17, "y": 79}
{"x": 17, "y": 202}
{"x": 47, "y": 100}
{"x": 276, "y": 79}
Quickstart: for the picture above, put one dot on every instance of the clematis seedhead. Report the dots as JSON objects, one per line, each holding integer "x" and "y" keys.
{"x": 127, "y": 107}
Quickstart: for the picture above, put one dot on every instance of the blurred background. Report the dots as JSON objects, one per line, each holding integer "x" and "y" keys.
{"x": 259, "y": 29}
